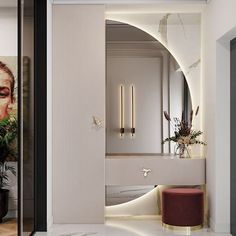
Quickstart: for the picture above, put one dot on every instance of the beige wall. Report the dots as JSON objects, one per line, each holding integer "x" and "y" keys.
{"x": 78, "y": 94}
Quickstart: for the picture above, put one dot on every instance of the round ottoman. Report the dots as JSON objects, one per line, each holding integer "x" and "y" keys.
{"x": 183, "y": 207}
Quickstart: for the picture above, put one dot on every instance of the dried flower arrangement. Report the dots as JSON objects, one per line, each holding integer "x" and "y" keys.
{"x": 184, "y": 134}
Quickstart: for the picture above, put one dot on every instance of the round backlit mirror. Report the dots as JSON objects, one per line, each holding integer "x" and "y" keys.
{"x": 143, "y": 79}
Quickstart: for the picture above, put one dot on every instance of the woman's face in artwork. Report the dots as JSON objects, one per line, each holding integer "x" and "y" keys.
{"x": 6, "y": 96}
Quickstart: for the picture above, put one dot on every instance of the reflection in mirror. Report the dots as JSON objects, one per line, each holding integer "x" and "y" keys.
{"x": 120, "y": 194}
{"x": 143, "y": 79}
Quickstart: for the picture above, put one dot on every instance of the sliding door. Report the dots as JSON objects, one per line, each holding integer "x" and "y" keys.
{"x": 78, "y": 113}
{"x": 33, "y": 107}
{"x": 27, "y": 116}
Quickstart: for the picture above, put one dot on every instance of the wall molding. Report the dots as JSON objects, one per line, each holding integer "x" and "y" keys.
{"x": 11, "y": 214}
{"x": 139, "y": 48}
{"x": 220, "y": 227}
{"x": 49, "y": 222}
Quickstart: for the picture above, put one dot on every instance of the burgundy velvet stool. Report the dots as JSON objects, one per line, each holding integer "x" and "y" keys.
{"x": 182, "y": 207}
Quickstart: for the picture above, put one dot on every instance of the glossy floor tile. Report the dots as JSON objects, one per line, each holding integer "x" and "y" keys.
{"x": 120, "y": 227}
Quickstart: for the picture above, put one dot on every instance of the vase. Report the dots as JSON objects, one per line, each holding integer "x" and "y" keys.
{"x": 183, "y": 151}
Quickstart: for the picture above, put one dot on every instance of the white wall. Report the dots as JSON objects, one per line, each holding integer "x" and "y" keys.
{"x": 219, "y": 21}
{"x": 8, "y": 32}
{"x": 49, "y": 114}
{"x": 78, "y": 95}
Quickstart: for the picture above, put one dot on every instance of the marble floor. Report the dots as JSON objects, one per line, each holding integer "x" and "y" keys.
{"x": 120, "y": 227}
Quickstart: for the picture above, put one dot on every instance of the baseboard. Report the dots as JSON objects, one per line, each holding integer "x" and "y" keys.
{"x": 219, "y": 227}
{"x": 11, "y": 214}
{"x": 50, "y": 222}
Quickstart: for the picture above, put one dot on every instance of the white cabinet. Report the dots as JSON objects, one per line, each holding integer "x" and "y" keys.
{"x": 78, "y": 95}
{"x": 160, "y": 170}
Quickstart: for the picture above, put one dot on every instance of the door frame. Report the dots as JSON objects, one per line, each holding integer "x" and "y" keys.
{"x": 40, "y": 114}
{"x": 40, "y": 111}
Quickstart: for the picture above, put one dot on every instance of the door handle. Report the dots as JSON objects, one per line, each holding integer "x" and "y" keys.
{"x": 146, "y": 172}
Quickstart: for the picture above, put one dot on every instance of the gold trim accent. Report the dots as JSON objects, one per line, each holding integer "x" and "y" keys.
{"x": 182, "y": 228}
{"x": 132, "y": 111}
{"x": 122, "y": 129}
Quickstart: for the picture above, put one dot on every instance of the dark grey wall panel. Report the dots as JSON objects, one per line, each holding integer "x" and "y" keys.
{"x": 233, "y": 137}
{"x": 27, "y": 97}
{"x": 40, "y": 111}
{"x": 32, "y": 54}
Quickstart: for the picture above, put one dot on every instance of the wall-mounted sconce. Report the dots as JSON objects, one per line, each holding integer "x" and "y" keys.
{"x": 132, "y": 111}
{"x": 122, "y": 129}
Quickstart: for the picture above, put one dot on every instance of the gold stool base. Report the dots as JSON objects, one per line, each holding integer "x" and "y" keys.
{"x": 186, "y": 229}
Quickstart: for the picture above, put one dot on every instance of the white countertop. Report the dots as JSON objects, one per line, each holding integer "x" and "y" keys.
{"x": 164, "y": 169}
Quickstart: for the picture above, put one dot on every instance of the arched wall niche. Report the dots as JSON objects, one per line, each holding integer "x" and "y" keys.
{"x": 181, "y": 35}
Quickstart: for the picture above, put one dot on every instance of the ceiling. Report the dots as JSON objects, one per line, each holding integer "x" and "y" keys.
{"x": 13, "y": 3}
{"x": 126, "y": 1}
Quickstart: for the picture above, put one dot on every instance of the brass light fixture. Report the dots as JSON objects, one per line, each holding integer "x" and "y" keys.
{"x": 122, "y": 129}
{"x": 132, "y": 111}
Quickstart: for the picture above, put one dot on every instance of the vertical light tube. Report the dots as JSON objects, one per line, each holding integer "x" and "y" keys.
{"x": 122, "y": 129}
{"x": 132, "y": 111}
